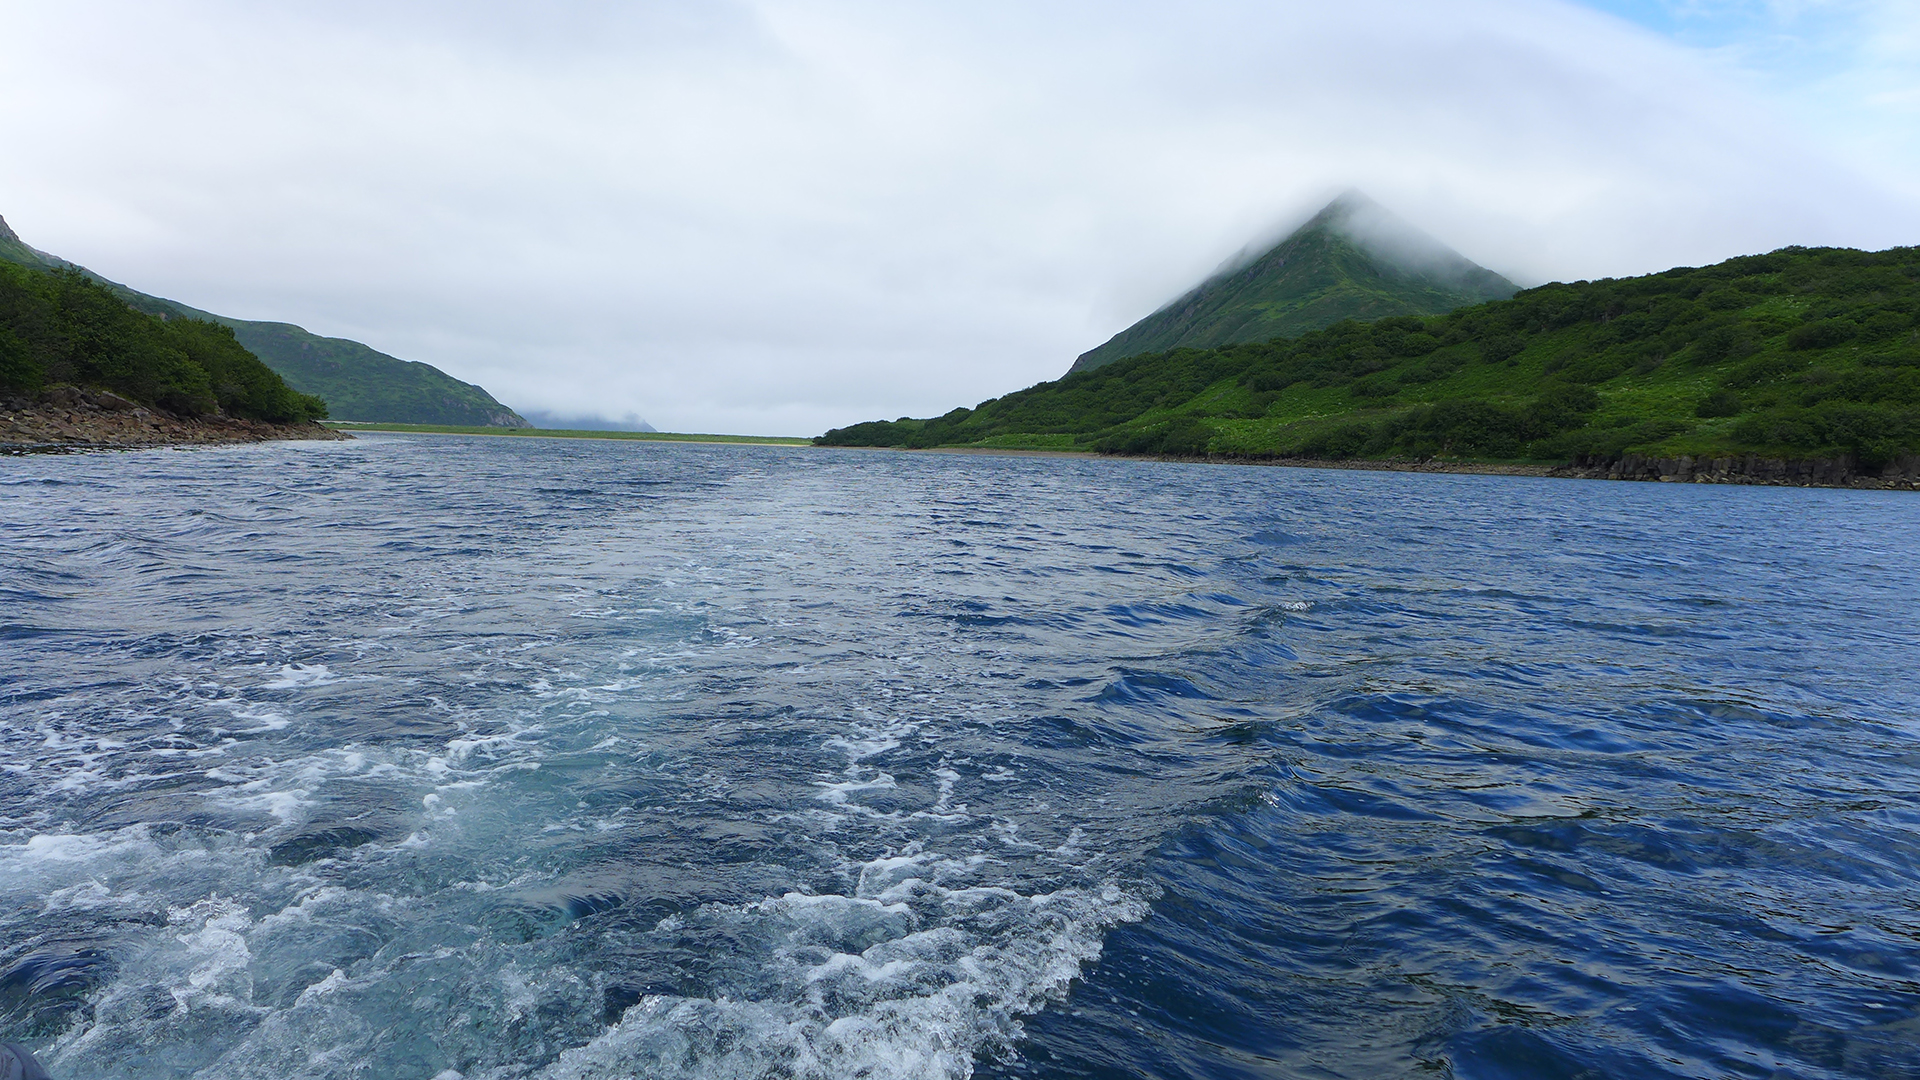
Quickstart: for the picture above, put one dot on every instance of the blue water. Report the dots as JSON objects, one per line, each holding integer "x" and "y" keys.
{"x": 440, "y": 757}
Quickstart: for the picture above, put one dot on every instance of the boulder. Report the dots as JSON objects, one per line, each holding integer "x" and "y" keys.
{"x": 112, "y": 402}
{"x": 18, "y": 1063}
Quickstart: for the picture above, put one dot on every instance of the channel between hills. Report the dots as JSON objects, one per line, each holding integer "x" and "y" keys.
{"x": 566, "y": 433}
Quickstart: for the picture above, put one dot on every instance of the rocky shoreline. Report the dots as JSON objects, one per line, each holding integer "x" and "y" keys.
{"x": 1901, "y": 474}
{"x": 72, "y": 418}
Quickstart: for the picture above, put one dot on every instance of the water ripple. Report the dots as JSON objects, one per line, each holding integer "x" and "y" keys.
{"x": 449, "y": 757}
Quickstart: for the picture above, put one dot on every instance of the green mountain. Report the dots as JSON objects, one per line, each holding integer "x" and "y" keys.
{"x": 357, "y": 382}
{"x": 361, "y": 383}
{"x": 1352, "y": 260}
{"x": 1804, "y": 353}
{"x": 14, "y": 250}
{"x": 59, "y": 326}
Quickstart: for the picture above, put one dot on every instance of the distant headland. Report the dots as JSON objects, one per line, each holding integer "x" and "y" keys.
{"x": 1800, "y": 366}
{"x": 79, "y": 367}
{"x": 356, "y": 381}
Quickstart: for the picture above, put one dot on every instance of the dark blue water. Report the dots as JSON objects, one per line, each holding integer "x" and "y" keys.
{"x": 444, "y": 757}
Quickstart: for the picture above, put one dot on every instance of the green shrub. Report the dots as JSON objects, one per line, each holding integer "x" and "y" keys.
{"x": 1432, "y": 369}
{"x": 1500, "y": 349}
{"x": 1180, "y": 437}
{"x": 1340, "y": 442}
{"x": 1594, "y": 369}
{"x": 1718, "y": 403}
{"x": 18, "y": 373}
{"x": 1766, "y": 369}
{"x": 1823, "y": 334}
{"x": 1732, "y": 341}
{"x": 1563, "y": 405}
{"x": 870, "y": 433}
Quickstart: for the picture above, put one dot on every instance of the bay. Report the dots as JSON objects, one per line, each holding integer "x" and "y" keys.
{"x": 464, "y": 757}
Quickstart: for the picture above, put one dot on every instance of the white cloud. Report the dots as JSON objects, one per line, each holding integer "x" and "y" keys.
{"x": 776, "y": 217}
{"x": 1847, "y": 71}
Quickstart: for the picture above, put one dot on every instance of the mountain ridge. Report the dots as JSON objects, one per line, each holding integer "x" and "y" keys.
{"x": 1353, "y": 259}
{"x": 357, "y": 381}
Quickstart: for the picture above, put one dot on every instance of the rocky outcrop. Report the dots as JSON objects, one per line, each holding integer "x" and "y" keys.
{"x": 76, "y": 418}
{"x": 1902, "y": 472}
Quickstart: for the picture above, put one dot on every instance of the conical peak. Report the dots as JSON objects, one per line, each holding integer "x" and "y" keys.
{"x": 1386, "y": 236}
{"x": 1352, "y": 259}
{"x": 1356, "y": 216}
{"x": 1352, "y": 215}
{"x": 1348, "y": 204}
{"x": 1335, "y": 217}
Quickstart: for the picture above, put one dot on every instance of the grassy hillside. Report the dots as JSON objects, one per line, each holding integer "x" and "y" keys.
{"x": 1352, "y": 260}
{"x": 361, "y": 383}
{"x": 15, "y": 250}
{"x": 60, "y": 326}
{"x": 356, "y": 381}
{"x": 1798, "y": 353}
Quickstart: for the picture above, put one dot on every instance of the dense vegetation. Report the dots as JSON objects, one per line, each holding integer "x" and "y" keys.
{"x": 61, "y": 326}
{"x": 1798, "y": 353}
{"x": 357, "y": 382}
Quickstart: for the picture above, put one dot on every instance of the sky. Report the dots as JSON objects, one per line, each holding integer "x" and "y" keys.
{"x": 774, "y": 217}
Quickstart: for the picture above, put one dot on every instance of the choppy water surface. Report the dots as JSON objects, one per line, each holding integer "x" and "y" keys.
{"x": 444, "y": 757}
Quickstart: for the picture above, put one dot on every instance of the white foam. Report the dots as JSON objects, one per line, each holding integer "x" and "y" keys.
{"x": 301, "y": 676}
{"x": 89, "y": 895}
{"x": 264, "y": 719}
{"x": 62, "y": 847}
{"x": 929, "y": 959}
{"x": 839, "y": 792}
{"x": 859, "y": 749}
{"x": 919, "y": 1004}
{"x": 66, "y": 871}
{"x": 213, "y": 932}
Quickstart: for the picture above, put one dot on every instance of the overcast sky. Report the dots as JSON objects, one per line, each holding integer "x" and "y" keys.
{"x": 775, "y": 217}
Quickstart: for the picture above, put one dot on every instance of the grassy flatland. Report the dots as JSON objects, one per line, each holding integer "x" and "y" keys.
{"x": 574, "y": 433}
{"x": 1800, "y": 353}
